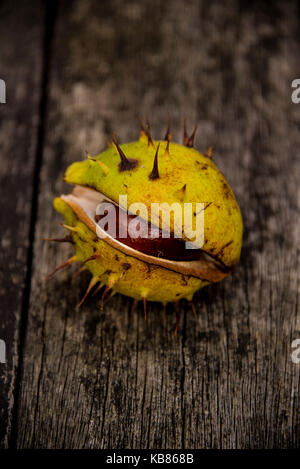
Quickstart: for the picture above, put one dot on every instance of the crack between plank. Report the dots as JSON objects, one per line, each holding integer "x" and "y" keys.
{"x": 50, "y": 14}
{"x": 182, "y": 381}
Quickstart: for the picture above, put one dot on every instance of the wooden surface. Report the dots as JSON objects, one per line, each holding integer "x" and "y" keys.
{"x": 108, "y": 379}
{"x": 19, "y": 135}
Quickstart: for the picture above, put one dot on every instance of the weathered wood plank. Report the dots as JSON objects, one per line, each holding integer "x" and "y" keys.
{"x": 108, "y": 379}
{"x": 21, "y": 38}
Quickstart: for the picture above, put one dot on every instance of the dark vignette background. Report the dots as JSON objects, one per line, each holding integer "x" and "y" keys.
{"x": 76, "y": 71}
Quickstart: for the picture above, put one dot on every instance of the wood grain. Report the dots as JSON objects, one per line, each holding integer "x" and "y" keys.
{"x": 108, "y": 379}
{"x": 21, "y": 69}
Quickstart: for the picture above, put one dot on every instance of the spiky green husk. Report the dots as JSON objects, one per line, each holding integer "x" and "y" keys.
{"x": 147, "y": 172}
{"x": 179, "y": 167}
